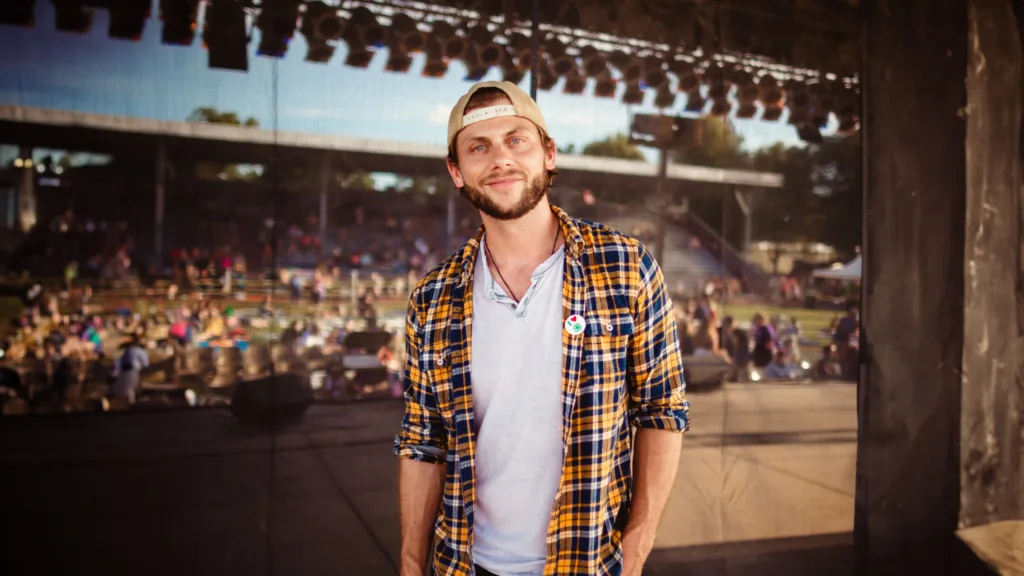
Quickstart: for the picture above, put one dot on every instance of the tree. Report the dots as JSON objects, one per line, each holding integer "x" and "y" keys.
{"x": 720, "y": 147}
{"x": 218, "y": 170}
{"x": 614, "y": 146}
{"x": 214, "y": 116}
{"x": 569, "y": 148}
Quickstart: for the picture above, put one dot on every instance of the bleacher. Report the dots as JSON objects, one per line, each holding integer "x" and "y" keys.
{"x": 683, "y": 263}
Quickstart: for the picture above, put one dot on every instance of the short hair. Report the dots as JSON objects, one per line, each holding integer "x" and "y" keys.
{"x": 480, "y": 99}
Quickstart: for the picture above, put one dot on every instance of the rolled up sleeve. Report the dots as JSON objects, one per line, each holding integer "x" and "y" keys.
{"x": 657, "y": 392}
{"x": 422, "y": 436}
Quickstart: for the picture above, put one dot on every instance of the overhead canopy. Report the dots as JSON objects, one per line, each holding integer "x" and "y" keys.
{"x": 851, "y": 271}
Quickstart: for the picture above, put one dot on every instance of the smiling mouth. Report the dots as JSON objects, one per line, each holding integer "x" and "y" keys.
{"x": 501, "y": 181}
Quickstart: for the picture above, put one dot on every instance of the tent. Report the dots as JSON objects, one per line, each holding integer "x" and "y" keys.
{"x": 850, "y": 272}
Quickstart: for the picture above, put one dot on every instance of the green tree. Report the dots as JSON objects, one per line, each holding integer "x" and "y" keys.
{"x": 614, "y": 146}
{"x": 207, "y": 170}
{"x": 214, "y": 116}
{"x": 720, "y": 147}
{"x": 569, "y": 148}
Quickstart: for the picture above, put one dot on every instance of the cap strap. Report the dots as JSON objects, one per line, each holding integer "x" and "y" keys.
{"x": 481, "y": 114}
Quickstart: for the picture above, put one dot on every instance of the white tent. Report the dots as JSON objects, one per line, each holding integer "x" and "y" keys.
{"x": 850, "y": 272}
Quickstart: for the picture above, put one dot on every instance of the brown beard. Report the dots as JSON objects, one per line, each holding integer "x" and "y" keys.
{"x": 535, "y": 190}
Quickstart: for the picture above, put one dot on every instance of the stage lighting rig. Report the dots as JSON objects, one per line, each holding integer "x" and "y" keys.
{"x": 277, "y": 22}
{"x": 225, "y": 35}
{"x": 179, "y": 21}
{"x": 321, "y": 25}
{"x": 654, "y": 72}
{"x": 71, "y": 16}
{"x": 18, "y": 12}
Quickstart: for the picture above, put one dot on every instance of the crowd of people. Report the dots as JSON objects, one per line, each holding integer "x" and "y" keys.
{"x": 769, "y": 348}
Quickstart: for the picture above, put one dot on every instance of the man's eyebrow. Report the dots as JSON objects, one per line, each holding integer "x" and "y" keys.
{"x": 482, "y": 138}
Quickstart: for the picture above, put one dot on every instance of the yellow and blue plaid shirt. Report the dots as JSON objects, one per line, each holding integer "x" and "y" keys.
{"x": 625, "y": 368}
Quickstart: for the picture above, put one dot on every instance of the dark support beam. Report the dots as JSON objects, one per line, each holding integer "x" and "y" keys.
{"x": 992, "y": 481}
{"x": 908, "y": 464}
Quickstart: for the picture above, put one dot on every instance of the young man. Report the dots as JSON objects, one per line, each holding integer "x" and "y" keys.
{"x": 530, "y": 353}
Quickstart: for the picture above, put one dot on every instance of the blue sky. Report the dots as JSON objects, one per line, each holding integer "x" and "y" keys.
{"x": 94, "y": 73}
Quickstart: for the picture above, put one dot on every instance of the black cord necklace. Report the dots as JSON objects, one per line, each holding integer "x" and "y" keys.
{"x": 487, "y": 250}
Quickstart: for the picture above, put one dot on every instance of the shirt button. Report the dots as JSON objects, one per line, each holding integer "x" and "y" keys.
{"x": 440, "y": 361}
{"x": 609, "y": 327}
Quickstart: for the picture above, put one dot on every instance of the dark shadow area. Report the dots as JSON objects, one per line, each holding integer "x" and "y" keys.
{"x": 812, "y": 555}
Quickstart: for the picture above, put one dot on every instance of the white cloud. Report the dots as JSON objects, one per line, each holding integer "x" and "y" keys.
{"x": 439, "y": 115}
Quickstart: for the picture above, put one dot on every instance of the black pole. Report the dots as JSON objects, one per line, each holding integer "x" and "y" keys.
{"x": 534, "y": 48}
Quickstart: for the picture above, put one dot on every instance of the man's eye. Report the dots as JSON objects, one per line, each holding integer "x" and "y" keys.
{"x": 478, "y": 148}
{"x": 516, "y": 141}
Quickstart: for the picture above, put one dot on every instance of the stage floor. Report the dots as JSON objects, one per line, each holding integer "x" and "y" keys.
{"x": 766, "y": 486}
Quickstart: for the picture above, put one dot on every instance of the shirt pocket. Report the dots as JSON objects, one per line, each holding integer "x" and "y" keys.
{"x": 606, "y": 356}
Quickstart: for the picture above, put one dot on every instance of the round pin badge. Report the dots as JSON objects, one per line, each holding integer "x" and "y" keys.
{"x": 575, "y": 324}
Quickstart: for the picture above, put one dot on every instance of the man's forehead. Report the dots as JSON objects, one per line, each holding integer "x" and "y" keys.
{"x": 495, "y": 127}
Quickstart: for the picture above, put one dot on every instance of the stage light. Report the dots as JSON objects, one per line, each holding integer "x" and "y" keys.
{"x": 798, "y": 100}
{"x": 809, "y": 133}
{"x": 18, "y": 12}
{"x": 277, "y": 22}
{"x": 575, "y": 83}
{"x": 455, "y": 47}
{"x": 128, "y": 19}
{"x": 846, "y": 112}
{"x": 436, "y": 66}
{"x": 634, "y": 94}
{"x": 746, "y": 94}
{"x": 564, "y": 65}
{"x": 606, "y": 85}
{"x": 619, "y": 60}
{"x": 554, "y": 48}
{"x": 718, "y": 90}
{"x": 771, "y": 98}
{"x": 179, "y": 21}
{"x": 823, "y": 102}
{"x": 546, "y": 79}
{"x": 225, "y": 35}
{"x": 511, "y": 72}
{"x": 70, "y": 16}
{"x": 664, "y": 97}
{"x": 594, "y": 65}
{"x": 491, "y": 55}
{"x": 633, "y": 72}
{"x": 654, "y": 75}
{"x": 398, "y": 60}
{"x": 321, "y": 24}
{"x": 475, "y": 69}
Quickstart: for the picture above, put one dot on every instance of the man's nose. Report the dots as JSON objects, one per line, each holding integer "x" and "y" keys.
{"x": 501, "y": 157}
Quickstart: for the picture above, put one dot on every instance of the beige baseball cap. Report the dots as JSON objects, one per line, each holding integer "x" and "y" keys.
{"x": 522, "y": 106}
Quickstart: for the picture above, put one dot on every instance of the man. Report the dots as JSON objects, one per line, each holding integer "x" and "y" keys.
{"x": 530, "y": 352}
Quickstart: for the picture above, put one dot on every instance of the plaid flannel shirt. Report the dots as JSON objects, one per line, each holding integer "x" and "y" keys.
{"x": 624, "y": 369}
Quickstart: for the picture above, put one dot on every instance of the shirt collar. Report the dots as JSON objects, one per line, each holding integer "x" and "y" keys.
{"x": 467, "y": 256}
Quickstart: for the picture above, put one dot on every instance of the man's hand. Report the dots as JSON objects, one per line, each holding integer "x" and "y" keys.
{"x": 634, "y": 554}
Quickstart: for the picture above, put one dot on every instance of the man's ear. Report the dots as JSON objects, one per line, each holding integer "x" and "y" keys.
{"x": 549, "y": 156}
{"x": 456, "y": 174}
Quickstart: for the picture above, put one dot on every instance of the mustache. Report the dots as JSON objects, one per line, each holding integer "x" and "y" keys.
{"x": 506, "y": 175}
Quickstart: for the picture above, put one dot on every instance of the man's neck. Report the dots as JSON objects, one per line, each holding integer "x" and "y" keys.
{"x": 525, "y": 241}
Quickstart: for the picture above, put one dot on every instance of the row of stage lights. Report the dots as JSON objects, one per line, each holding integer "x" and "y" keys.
{"x": 480, "y": 45}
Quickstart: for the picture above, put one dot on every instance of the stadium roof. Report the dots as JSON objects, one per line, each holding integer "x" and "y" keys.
{"x": 39, "y": 127}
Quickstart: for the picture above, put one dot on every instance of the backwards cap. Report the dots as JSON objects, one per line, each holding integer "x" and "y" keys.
{"x": 522, "y": 106}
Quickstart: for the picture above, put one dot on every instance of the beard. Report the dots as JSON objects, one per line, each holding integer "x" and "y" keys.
{"x": 533, "y": 193}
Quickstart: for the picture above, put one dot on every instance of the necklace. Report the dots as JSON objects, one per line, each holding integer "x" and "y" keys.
{"x": 487, "y": 250}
